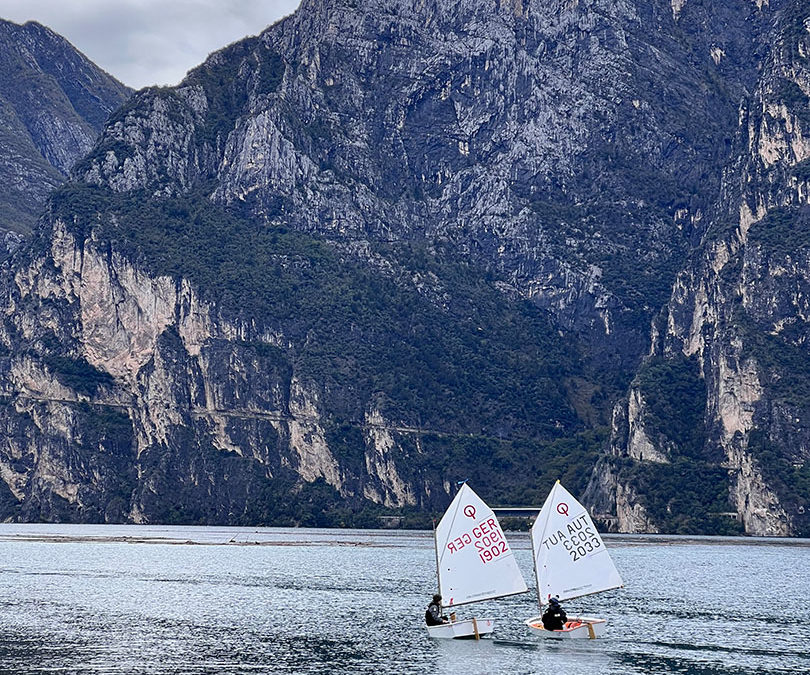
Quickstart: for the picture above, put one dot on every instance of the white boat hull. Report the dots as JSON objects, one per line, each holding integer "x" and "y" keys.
{"x": 577, "y": 627}
{"x": 462, "y": 629}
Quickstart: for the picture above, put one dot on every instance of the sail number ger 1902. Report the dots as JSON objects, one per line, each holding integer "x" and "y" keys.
{"x": 487, "y": 538}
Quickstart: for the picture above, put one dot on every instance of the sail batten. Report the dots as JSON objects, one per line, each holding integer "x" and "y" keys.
{"x": 489, "y": 597}
{"x": 474, "y": 559}
{"x": 601, "y": 590}
{"x": 570, "y": 558}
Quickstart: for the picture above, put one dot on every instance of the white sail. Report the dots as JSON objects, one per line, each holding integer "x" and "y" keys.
{"x": 570, "y": 557}
{"x": 473, "y": 557}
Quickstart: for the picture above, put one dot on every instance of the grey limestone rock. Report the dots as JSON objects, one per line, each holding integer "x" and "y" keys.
{"x": 53, "y": 104}
{"x": 597, "y": 160}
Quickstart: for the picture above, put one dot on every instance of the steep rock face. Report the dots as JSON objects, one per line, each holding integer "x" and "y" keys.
{"x": 203, "y": 411}
{"x": 740, "y": 310}
{"x": 530, "y": 138}
{"x": 161, "y": 403}
{"x": 53, "y": 104}
{"x": 386, "y": 245}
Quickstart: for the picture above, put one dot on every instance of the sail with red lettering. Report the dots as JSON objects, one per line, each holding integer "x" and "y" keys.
{"x": 570, "y": 558}
{"x": 474, "y": 560}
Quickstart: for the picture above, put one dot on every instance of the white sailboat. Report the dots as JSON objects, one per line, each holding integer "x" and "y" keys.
{"x": 473, "y": 563}
{"x": 570, "y": 560}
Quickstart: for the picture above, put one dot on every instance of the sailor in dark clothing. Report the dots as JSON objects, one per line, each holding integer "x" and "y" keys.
{"x": 554, "y": 617}
{"x": 433, "y": 614}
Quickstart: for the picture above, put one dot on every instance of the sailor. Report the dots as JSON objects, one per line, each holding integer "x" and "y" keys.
{"x": 554, "y": 617}
{"x": 433, "y": 613}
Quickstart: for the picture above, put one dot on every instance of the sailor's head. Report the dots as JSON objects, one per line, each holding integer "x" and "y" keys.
{"x": 437, "y": 598}
{"x": 554, "y": 601}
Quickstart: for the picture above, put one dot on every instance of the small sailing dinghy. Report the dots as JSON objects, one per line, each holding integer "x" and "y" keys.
{"x": 473, "y": 563}
{"x": 570, "y": 560}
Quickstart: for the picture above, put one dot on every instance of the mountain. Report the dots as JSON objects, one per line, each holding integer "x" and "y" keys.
{"x": 385, "y": 245}
{"x": 720, "y": 405}
{"x": 53, "y": 105}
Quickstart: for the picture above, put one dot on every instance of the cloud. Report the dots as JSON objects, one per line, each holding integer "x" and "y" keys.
{"x": 145, "y": 42}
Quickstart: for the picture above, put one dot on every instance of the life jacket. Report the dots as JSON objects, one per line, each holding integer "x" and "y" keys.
{"x": 554, "y": 619}
{"x": 433, "y": 615}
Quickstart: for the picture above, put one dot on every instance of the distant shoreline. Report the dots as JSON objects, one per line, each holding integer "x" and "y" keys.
{"x": 202, "y": 535}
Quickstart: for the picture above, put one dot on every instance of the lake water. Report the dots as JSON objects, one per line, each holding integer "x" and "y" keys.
{"x": 130, "y": 599}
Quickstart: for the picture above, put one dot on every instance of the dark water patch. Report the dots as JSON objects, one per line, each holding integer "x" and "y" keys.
{"x": 191, "y": 581}
{"x": 178, "y": 647}
{"x": 695, "y": 615}
{"x": 707, "y": 618}
{"x": 304, "y": 649}
{"x": 650, "y": 663}
{"x": 46, "y": 652}
{"x": 514, "y": 644}
{"x": 57, "y": 573}
{"x": 324, "y": 584}
{"x": 736, "y": 650}
{"x": 659, "y": 540}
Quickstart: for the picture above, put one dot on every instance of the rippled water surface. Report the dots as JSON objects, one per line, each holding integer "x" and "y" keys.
{"x": 128, "y": 599}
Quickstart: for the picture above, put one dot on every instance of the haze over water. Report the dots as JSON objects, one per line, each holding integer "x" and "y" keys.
{"x": 128, "y": 599}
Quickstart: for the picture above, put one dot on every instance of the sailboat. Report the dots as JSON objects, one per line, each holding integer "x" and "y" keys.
{"x": 570, "y": 560}
{"x": 473, "y": 563}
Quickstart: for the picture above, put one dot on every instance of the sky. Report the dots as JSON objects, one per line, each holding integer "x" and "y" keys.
{"x": 146, "y": 42}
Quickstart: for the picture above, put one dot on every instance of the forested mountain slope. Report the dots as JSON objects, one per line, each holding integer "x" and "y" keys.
{"x": 721, "y": 405}
{"x": 387, "y": 245}
{"x": 53, "y": 105}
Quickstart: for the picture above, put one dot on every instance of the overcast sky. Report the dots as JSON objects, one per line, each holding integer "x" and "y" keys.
{"x": 145, "y": 42}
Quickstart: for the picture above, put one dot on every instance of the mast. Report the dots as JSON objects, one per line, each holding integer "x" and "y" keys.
{"x": 436, "y": 544}
{"x": 436, "y": 551}
{"x": 544, "y": 514}
{"x": 534, "y": 562}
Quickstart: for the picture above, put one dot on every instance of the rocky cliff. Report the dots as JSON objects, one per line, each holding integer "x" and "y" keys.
{"x": 53, "y": 105}
{"x": 738, "y": 318}
{"x": 389, "y": 244}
